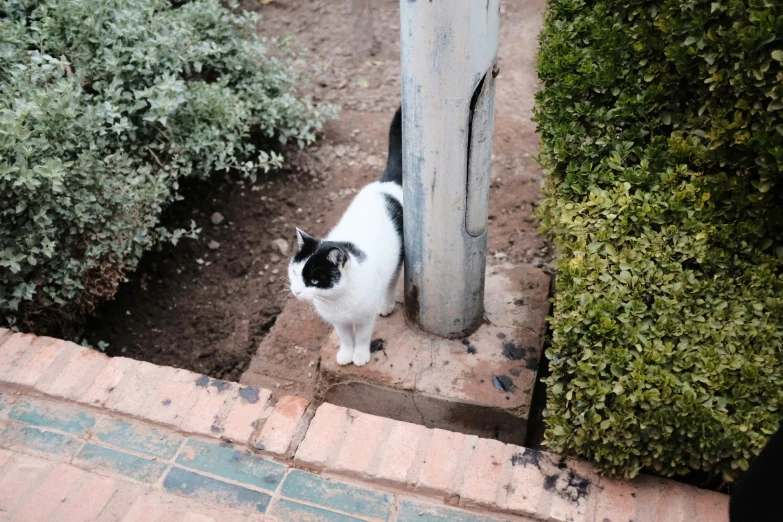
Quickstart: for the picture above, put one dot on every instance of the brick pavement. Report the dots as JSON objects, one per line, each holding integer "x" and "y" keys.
{"x": 85, "y": 437}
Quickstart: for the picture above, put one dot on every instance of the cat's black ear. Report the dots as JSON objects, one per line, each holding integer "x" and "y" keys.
{"x": 337, "y": 256}
{"x": 303, "y": 237}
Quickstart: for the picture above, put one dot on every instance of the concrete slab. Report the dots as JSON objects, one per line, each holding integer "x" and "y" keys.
{"x": 481, "y": 385}
{"x": 286, "y": 360}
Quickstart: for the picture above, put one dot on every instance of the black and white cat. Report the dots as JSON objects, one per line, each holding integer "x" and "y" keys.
{"x": 351, "y": 275}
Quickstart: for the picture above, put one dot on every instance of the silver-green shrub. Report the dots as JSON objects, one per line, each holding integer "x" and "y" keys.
{"x": 104, "y": 106}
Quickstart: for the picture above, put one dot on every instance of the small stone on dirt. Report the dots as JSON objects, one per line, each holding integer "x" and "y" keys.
{"x": 275, "y": 258}
{"x": 217, "y": 218}
{"x": 281, "y": 245}
{"x": 213, "y": 245}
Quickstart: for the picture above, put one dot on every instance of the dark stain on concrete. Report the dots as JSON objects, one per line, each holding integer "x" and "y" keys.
{"x": 249, "y": 394}
{"x": 412, "y": 304}
{"x": 378, "y": 345}
{"x": 503, "y": 383}
{"x": 221, "y": 385}
{"x": 513, "y": 351}
{"x": 527, "y": 457}
{"x": 469, "y": 347}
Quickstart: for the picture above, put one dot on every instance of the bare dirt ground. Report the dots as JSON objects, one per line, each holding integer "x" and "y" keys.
{"x": 206, "y": 304}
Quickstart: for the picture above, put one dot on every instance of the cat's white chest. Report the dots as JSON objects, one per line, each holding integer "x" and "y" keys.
{"x": 335, "y": 311}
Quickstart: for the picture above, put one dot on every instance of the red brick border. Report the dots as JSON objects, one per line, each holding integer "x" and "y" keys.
{"x": 460, "y": 469}
{"x": 179, "y": 399}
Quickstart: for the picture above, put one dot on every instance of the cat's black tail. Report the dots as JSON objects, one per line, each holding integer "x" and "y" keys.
{"x": 393, "y": 170}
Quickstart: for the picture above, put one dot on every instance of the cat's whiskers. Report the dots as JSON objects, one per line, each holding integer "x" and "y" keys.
{"x": 285, "y": 293}
{"x": 286, "y": 284}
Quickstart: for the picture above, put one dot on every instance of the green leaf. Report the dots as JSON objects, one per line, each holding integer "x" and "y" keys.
{"x": 766, "y": 184}
{"x": 777, "y": 55}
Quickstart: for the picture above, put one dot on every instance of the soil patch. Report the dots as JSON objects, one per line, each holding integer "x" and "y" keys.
{"x": 205, "y": 304}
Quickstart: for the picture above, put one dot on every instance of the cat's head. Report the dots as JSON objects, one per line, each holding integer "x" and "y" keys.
{"x": 319, "y": 270}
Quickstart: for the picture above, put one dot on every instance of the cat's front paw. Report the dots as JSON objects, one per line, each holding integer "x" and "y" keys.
{"x": 387, "y": 309}
{"x": 344, "y": 356}
{"x": 361, "y": 357}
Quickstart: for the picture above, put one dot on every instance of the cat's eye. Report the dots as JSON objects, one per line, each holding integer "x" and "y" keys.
{"x": 314, "y": 282}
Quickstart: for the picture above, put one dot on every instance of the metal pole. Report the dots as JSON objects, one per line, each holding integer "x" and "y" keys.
{"x": 449, "y": 52}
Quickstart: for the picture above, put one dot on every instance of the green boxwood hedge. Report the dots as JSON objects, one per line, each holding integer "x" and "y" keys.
{"x": 662, "y": 136}
{"x": 105, "y": 105}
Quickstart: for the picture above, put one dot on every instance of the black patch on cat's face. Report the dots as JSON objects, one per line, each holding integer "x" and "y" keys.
{"x": 394, "y": 210}
{"x": 348, "y": 247}
{"x": 324, "y": 261}
{"x": 320, "y": 272}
